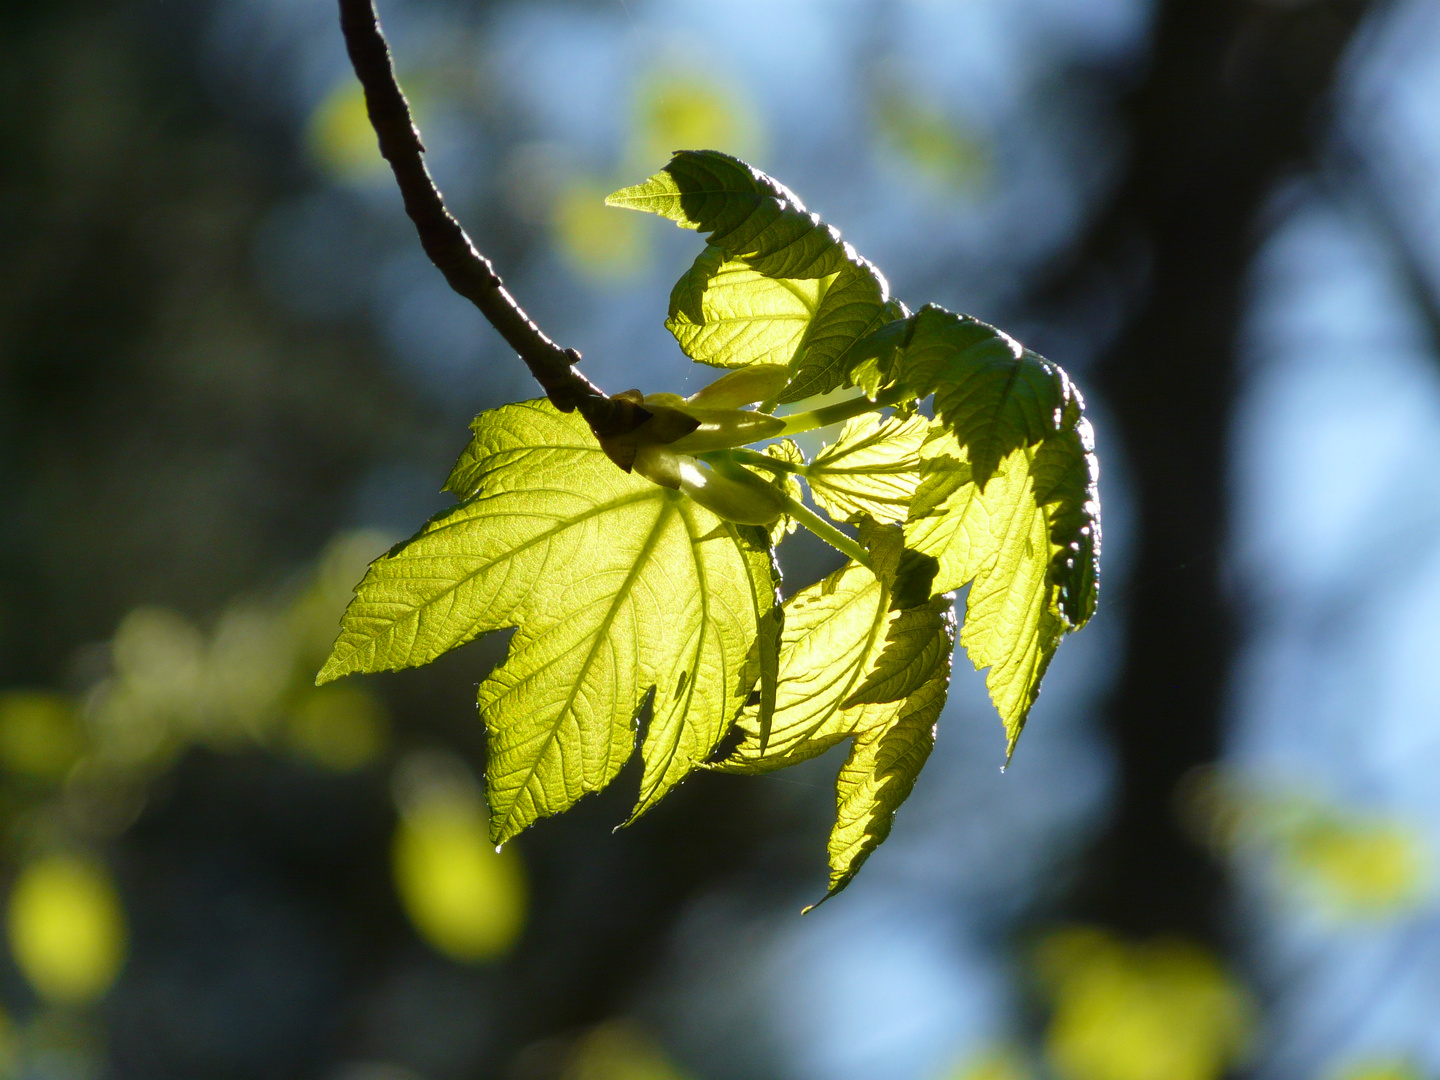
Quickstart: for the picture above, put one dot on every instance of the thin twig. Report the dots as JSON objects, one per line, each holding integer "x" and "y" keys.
{"x": 450, "y": 249}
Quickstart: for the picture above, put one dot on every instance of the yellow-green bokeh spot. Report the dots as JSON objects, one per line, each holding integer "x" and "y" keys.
{"x": 676, "y": 110}
{"x": 463, "y": 897}
{"x": 620, "y": 1050}
{"x": 343, "y": 728}
{"x": 1358, "y": 866}
{"x": 40, "y": 734}
{"x": 66, "y": 928}
{"x": 931, "y": 145}
{"x": 996, "y": 1063}
{"x": 1344, "y": 862}
{"x": 1158, "y": 1010}
{"x": 339, "y": 136}
{"x": 1378, "y": 1068}
{"x": 601, "y": 246}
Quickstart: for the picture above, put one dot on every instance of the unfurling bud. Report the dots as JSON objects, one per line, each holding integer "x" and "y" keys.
{"x": 699, "y": 424}
{"x": 743, "y": 386}
{"x": 742, "y": 497}
{"x": 748, "y": 501}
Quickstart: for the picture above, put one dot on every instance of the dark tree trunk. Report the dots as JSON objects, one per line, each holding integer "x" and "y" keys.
{"x": 1233, "y": 99}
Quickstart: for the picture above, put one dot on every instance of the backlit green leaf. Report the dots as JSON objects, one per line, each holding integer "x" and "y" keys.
{"x": 616, "y": 586}
{"x": 872, "y": 468}
{"x": 885, "y": 759}
{"x": 912, "y": 652}
{"x": 994, "y": 395}
{"x": 775, "y": 285}
{"x": 724, "y": 312}
{"x": 747, "y": 214}
{"x": 850, "y": 666}
{"x": 1029, "y": 545}
{"x": 641, "y": 615}
{"x": 833, "y": 631}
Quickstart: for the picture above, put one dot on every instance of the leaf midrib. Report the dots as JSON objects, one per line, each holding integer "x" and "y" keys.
{"x": 667, "y": 507}
{"x": 704, "y": 592}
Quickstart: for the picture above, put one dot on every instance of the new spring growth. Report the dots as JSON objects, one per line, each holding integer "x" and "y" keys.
{"x": 663, "y": 448}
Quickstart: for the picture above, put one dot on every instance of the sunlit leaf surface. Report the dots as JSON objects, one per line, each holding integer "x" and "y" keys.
{"x": 1016, "y": 543}
{"x": 872, "y": 468}
{"x": 850, "y": 666}
{"x": 617, "y": 586}
{"x": 768, "y": 257}
{"x": 992, "y": 394}
{"x": 1028, "y": 540}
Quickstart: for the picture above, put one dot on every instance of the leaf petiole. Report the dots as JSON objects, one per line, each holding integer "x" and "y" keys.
{"x": 765, "y": 461}
{"x": 827, "y": 532}
{"x": 841, "y": 410}
{"x": 796, "y": 509}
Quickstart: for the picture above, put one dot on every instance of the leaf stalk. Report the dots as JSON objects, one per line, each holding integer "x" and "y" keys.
{"x": 746, "y": 456}
{"x": 827, "y": 532}
{"x": 841, "y": 410}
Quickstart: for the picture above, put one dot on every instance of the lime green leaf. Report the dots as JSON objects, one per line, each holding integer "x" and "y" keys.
{"x": 747, "y": 214}
{"x": 724, "y": 312}
{"x": 508, "y": 455}
{"x": 1029, "y": 545}
{"x": 762, "y": 666}
{"x": 913, "y": 650}
{"x": 850, "y": 666}
{"x": 885, "y": 760}
{"x": 775, "y": 284}
{"x": 1065, "y": 474}
{"x": 872, "y": 468}
{"x": 855, "y": 303}
{"x": 993, "y": 395}
{"x": 832, "y": 633}
{"x": 617, "y": 586}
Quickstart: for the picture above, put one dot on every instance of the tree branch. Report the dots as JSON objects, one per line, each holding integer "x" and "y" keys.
{"x": 450, "y": 249}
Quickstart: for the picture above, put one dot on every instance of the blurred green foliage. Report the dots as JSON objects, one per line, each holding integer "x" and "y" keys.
{"x": 1159, "y": 1010}
{"x": 928, "y": 143}
{"x": 1344, "y": 862}
{"x": 66, "y": 929}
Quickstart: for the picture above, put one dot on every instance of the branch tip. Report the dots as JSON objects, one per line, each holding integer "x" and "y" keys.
{"x": 466, "y": 270}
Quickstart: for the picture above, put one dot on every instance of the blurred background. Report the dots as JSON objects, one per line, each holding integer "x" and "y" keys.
{"x": 229, "y": 377}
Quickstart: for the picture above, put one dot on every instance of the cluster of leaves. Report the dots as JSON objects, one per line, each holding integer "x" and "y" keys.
{"x": 650, "y": 592}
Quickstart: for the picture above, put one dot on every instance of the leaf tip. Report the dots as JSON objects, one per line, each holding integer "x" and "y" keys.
{"x": 332, "y": 670}
{"x": 836, "y": 888}
{"x": 1011, "y": 739}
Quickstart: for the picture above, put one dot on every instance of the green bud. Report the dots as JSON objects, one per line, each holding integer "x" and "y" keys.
{"x": 743, "y": 386}
{"x": 725, "y": 429}
{"x": 748, "y": 501}
{"x": 659, "y": 465}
